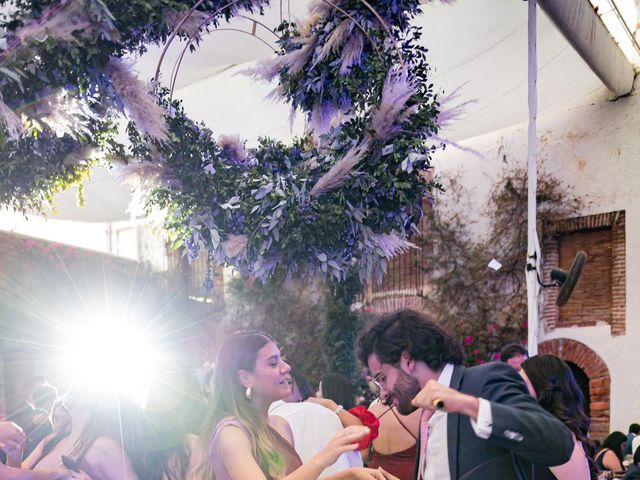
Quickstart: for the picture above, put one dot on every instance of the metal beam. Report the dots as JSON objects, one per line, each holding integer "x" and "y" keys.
{"x": 584, "y": 30}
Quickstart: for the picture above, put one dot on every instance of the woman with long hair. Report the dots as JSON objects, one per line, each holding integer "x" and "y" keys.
{"x": 336, "y": 393}
{"x": 337, "y": 388}
{"x": 609, "y": 457}
{"x": 552, "y": 383}
{"x": 241, "y": 441}
{"x": 100, "y": 429}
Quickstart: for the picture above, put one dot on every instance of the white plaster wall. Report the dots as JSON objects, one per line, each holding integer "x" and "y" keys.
{"x": 594, "y": 147}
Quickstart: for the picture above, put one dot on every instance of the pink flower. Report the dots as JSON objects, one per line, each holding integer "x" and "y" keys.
{"x": 467, "y": 340}
{"x": 496, "y": 356}
{"x": 476, "y": 351}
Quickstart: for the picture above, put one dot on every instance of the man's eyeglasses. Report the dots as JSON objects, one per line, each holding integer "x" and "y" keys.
{"x": 377, "y": 383}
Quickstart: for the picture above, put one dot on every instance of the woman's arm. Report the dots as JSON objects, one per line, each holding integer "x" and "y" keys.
{"x": 33, "y": 457}
{"x": 577, "y": 468}
{"x": 347, "y": 419}
{"x": 110, "y": 460}
{"x": 612, "y": 462}
{"x": 236, "y": 454}
{"x": 195, "y": 455}
{"x": 56, "y": 473}
{"x": 12, "y": 440}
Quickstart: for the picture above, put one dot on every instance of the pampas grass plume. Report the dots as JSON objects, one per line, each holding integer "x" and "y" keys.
{"x": 57, "y": 22}
{"x": 235, "y": 245}
{"x": 340, "y": 171}
{"x": 139, "y": 103}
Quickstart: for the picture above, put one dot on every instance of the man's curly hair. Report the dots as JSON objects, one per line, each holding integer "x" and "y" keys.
{"x": 411, "y": 331}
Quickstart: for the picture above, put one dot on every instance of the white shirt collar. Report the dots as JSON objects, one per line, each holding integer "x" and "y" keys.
{"x": 445, "y": 375}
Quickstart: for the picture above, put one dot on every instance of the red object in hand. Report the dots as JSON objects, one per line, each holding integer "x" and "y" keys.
{"x": 368, "y": 419}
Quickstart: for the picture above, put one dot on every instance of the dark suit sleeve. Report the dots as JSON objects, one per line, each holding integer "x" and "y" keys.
{"x": 520, "y": 424}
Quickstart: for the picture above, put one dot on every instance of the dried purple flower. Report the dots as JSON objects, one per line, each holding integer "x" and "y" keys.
{"x": 352, "y": 52}
{"x": 191, "y": 26}
{"x": 336, "y": 39}
{"x": 340, "y": 171}
{"x": 233, "y": 146}
{"x": 139, "y": 103}
{"x": 235, "y": 245}
{"x": 450, "y": 113}
{"x": 462, "y": 148}
{"x": 265, "y": 70}
{"x": 391, "y": 244}
{"x": 321, "y": 116}
{"x": 139, "y": 173}
{"x": 322, "y": 8}
{"x": 295, "y": 60}
{"x": 57, "y": 22}
{"x": 397, "y": 90}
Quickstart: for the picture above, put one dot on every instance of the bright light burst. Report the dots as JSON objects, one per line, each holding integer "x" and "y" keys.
{"x": 110, "y": 355}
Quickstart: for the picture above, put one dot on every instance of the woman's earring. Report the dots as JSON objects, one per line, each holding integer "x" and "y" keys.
{"x": 247, "y": 393}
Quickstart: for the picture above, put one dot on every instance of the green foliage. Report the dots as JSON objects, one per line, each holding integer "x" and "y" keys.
{"x": 292, "y": 312}
{"x": 342, "y": 325}
{"x": 36, "y": 70}
{"x": 61, "y": 58}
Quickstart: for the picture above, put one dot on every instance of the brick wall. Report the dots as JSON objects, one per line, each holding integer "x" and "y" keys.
{"x": 600, "y": 295}
{"x": 599, "y": 379}
{"x": 403, "y": 286}
{"x": 590, "y": 301}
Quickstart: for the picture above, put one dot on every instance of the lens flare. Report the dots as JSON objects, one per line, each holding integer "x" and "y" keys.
{"x": 110, "y": 356}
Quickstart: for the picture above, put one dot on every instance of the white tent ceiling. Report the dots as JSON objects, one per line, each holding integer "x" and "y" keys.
{"x": 481, "y": 46}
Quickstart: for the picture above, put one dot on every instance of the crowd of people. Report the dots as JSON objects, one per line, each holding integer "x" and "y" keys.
{"x": 521, "y": 418}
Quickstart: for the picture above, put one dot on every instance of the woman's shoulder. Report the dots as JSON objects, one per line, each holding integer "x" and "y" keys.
{"x": 228, "y": 422}
{"x": 103, "y": 452}
{"x": 103, "y": 449}
{"x": 228, "y": 429}
{"x": 277, "y": 421}
{"x": 230, "y": 438}
{"x": 281, "y": 425}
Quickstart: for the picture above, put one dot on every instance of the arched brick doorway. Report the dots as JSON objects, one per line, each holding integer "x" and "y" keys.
{"x": 599, "y": 379}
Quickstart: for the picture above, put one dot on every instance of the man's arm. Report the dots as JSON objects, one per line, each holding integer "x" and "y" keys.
{"x": 520, "y": 424}
{"x": 517, "y": 422}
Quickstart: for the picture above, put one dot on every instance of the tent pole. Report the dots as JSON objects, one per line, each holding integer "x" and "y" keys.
{"x": 533, "y": 248}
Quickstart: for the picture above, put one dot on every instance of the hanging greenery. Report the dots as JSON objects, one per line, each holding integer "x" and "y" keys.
{"x": 342, "y": 199}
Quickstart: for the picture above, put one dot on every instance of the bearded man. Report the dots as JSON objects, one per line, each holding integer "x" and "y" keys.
{"x": 478, "y": 422}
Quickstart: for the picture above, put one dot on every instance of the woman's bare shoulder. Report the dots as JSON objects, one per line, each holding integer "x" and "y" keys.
{"x": 281, "y": 425}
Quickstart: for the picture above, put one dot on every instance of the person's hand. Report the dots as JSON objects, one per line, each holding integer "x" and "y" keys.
{"x": 452, "y": 400}
{"x": 325, "y": 402}
{"x": 60, "y": 472}
{"x": 369, "y": 474}
{"x": 14, "y": 457}
{"x": 81, "y": 475}
{"x": 346, "y": 440}
{"x": 11, "y": 437}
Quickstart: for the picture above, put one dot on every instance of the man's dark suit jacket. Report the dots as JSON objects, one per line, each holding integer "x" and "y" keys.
{"x": 523, "y": 433}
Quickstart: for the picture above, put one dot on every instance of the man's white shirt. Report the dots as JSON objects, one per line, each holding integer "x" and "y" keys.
{"x": 313, "y": 426}
{"x": 436, "y": 461}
